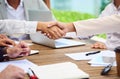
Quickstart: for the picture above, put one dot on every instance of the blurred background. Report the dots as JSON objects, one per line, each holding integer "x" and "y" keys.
{"x": 73, "y": 10}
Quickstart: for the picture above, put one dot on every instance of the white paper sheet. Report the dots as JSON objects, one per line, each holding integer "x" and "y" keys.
{"x": 98, "y": 61}
{"x": 66, "y": 70}
{"x": 82, "y": 55}
{"x": 34, "y": 52}
{"x": 24, "y": 64}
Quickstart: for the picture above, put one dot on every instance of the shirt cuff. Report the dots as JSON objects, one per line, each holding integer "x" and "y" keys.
{"x": 30, "y": 27}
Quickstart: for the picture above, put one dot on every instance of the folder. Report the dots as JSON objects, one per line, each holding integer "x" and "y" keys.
{"x": 66, "y": 70}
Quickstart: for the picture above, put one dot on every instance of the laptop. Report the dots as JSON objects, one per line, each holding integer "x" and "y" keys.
{"x": 59, "y": 43}
{"x": 40, "y": 15}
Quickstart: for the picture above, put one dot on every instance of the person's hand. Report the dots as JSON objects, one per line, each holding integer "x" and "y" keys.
{"x": 55, "y": 32}
{"x": 99, "y": 45}
{"x": 21, "y": 49}
{"x": 2, "y": 36}
{"x": 51, "y": 32}
{"x": 12, "y": 72}
{"x": 6, "y": 42}
{"x": 62, "y": 26}
{"x": 65, "y": 27}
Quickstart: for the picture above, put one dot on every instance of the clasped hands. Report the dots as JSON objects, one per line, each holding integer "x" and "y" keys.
{"x": 55, "y": 30}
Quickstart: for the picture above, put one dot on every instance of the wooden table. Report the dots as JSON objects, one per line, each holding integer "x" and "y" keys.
{"x": 51, "y": 56}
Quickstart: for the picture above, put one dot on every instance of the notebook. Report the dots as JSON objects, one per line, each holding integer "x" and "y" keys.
{"x": 59, "y": 43}
{"x": 66, "y": 70}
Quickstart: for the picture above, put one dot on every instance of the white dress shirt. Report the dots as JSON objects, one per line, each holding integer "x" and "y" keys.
{"x": 16, "y": 26}
{"x": 18, "y": 13}
{"x": 107, "y": 24}
{"x": 113, "y": 39}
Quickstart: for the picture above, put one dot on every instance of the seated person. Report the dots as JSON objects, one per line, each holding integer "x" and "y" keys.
{"x": 110, "y": 9}
{"x": 7, "y": 52}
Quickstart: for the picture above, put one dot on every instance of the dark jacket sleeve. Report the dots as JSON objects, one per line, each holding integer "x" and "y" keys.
{"x": 2, "y": 52}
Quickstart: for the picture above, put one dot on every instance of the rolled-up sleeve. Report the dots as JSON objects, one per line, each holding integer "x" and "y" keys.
{"x": 16, "y": 26}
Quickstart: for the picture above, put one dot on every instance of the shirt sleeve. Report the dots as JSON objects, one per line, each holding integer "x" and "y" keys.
{"x": 109, "y": 10}
{"x": 108, "y": 24}
{"x": 16, "y": 26}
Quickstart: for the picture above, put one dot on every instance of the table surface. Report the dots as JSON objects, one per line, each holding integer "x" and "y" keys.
{"x": 49, "y": 55}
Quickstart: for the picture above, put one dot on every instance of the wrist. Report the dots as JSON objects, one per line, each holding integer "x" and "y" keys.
{"x": 39, "y": 26}
{"x": 4, "y": 55}
{"x": 71, "y": 27}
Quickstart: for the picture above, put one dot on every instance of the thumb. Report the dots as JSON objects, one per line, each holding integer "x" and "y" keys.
{"x": 51, "y": 24}
{"x": 58, "y": 24}
{"x": 4, "y": 44}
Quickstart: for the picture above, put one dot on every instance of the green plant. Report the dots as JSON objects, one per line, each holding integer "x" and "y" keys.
{"x": 71, "y": 16}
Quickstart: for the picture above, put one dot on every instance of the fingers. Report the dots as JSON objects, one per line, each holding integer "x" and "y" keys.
{"x": 55, "y": 33}
{"x": 99, "y": 45}
{"x": 2, "y": 36}
{"x": 53, "y": 30}
{"x": 6, "y": 42}
{"x": 10, "y": 42}
{"x": 21, "y": 49}
{"x": 58, "y": 24}
{"x": 18, "y": 72}
{"x": 25, "y": 48}
{"x": 3, "y": 43}
{"x": 12, "y": 72}
{"x": 53, "y": 24}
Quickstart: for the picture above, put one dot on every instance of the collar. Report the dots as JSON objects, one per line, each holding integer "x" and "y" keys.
{"x": 21, "y": 3}
{"x": 115, "y": 6}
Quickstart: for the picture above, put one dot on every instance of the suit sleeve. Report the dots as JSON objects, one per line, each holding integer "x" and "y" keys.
{"x": 2, "y": 52}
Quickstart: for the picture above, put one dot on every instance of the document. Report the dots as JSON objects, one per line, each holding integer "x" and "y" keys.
{"x": 106, "y": 57}
{"x": 24, "y": 64}
{"x": 82, "y": 55}
{"x": 66, "y": 70}
{"x": 98, "y": 61}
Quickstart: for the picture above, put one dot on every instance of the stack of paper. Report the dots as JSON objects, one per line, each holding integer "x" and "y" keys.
{"x": 65, "y": 70}
{"x": 106, "y": 57}
{"x": 95, "y": 59}
{"x": 82, "y": 55}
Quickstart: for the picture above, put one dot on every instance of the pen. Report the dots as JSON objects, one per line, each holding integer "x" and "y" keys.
{"x": 92, "y": 53}
{"x": 31, "y": 74}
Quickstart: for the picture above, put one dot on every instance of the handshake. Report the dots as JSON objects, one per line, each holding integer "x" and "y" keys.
{"x": 55, "y": 30}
